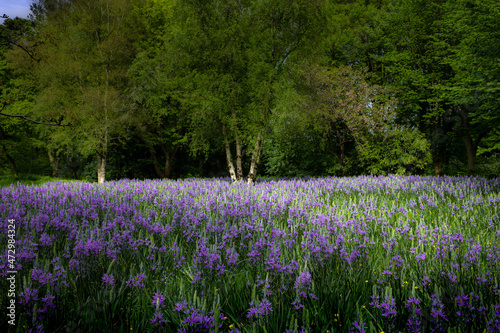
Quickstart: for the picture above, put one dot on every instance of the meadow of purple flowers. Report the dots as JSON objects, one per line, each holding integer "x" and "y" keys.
{"x": 363, "y": 254}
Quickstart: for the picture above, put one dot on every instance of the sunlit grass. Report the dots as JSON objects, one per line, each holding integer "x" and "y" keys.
{"x": 29, "y": 179}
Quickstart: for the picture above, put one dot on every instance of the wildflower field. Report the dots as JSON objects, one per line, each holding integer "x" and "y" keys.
{"x": 363, "y": 254}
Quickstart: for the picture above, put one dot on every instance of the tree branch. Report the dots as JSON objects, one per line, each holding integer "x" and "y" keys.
{"x": 11, "y": 39}
{"x": 34, "y": 121}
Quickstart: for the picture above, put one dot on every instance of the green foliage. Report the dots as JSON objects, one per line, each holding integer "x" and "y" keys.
{"x": 219, "y": 81}
{"x": 298, "y": 156}
{"x": 228, "y": 72}
{"x": 82, "y": 50}
{"x": 475, "y": 62}
{"x": 29, "y": 180}
{"x": 160, "y": 115}
{"x": 396, "y": 150}
{"x": 89, "y": 174}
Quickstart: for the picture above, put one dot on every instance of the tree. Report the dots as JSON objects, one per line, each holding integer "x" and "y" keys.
{"x": 20, "y": 33}
{"x": 160, "y": 115}
{"x": 17, "y": 91}
{"x": 475, "y": 62}
{"x": 295, "y": 147}
{"x": 395, "y": 149}
{"x": 356, "y": 35}
{"x": 439, "y": 56}
{"x": 416, "y": 47}
{"x": 342, "y": 106}
{"x": 80, "y": 67}
{"x": 239, "y": 51}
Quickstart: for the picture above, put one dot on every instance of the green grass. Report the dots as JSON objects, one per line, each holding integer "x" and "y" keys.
{"x": 29, "y": 179}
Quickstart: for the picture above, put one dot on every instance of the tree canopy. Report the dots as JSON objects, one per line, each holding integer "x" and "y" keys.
{"x": 102, "y": 89}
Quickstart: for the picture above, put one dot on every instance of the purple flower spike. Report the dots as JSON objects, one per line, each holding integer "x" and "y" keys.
{"x": 136, "y": 281}
{"x": 108, "y": 280}
{"x": 360, "y": 327}
{"x": 259, "y": 309}
{"x": 158, "y": 299}
{"x": 158, "y": 318}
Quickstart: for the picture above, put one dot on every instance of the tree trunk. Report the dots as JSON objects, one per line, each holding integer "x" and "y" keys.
{"x": 229, "y": 158}
{"x": 330, "y": 145}
{"x": 438, "y": 167}
{"x": 470, "y": 144}
{"x": 439, "y": 159}
{"x": 3, "y": 152}
{"x": 169, "y": 159}
{"x": 54, "y": 162}
{"x": 341, "y": 145}
{"x": 257, "y": 151}
{"x": 101, "y": 168}
{"x": 471, "y": 149}
{"x": 13, "y": 164}
{"x": 159, "y": 172}
{"x": 102, "y": 156}
{"x": 201, "y": 171}
{"x": 168, "y": 164}
{"x": 239, "y": 168}
{"x": 342, "y": 157}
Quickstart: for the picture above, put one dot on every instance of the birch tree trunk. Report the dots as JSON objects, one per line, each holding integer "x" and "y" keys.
{"x": 101, "y": 168}
{"x": 102, "y": 154}
{"x": 257, "y": 151}
{"x": 239, "y": 168}
{"x": 229, "y": 158}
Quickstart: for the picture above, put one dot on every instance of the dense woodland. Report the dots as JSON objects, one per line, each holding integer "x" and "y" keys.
{"x": 109, "y": 89}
